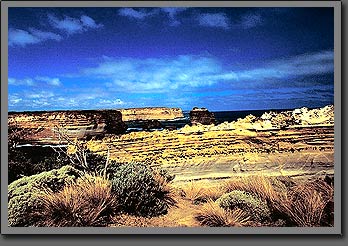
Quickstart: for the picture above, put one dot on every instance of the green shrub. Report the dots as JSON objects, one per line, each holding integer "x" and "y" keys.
{"x": 255, "y": 207}
{"x": 141, "y": 191}
{"x": 23, "y": 193}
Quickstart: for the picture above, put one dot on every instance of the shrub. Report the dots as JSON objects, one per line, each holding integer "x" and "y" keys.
{"x": 86, "y": 202}
{"x": 23, "y": 193}
{"x": 211, "y": 214}
{"x": 141, "y": 191}
{"x": 255, "y": 207}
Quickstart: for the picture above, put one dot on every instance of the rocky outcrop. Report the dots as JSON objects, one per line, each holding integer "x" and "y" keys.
{"x": 296, "y": 118}
{"x": 201, "y": 116}
{"x": 160, "y": 113}
{"x": 44, "y": 125}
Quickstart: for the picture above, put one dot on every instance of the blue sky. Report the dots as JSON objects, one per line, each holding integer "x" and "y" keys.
{"x": 218, "y": 58}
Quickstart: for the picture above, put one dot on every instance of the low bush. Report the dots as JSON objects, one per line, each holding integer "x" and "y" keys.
{"x": 255, "y": 207}
{"x": 86, "y": 202}
{"x": 141, "y": 191}
{"x": 23, "y": 193}
{"x": 211, "y": 214}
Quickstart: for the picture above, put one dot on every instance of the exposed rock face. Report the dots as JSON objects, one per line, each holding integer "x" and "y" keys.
{"x": 297, "y": 118}
{"x": 201, "y": 116}
{"x": 43, "y": 125}
{"x": 160, "y": 113}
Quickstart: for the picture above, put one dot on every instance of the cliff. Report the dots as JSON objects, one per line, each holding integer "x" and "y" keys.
{"x": 201, "y": 116}
{"x": 41, "y": 126}
{"x": 160, "y": 113}
{"x": 296, "y": 118}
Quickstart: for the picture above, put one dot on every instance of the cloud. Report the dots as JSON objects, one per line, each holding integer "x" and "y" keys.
{"x": 26, "y": 81}
{"x": 172, "y": 15}
{"x": 217, "y": 20}
{"x": 72, "y": 25}
{"x": 144, "y": 13}
{"x": 50, "y": 81}
{"x": 161, "y": 74}
{"x": 251, "y": 20}
{"x": 135, "y": 14}
{"x": 37, "y": 81}
{"x": 187, "y": 73}
{"x": 18, "y": 37}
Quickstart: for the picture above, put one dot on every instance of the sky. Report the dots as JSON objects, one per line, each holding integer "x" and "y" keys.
{"x": 218, "y": 58}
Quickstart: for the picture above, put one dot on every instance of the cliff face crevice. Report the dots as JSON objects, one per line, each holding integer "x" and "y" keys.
{"x": 43, "y": 125}
{"x": 160, "y": 113}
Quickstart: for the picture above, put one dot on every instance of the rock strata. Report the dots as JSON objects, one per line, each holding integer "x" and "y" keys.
{"x": 160, "y": 113}
{"x": 201, "y": 116}
{"x": 80, "y": 124}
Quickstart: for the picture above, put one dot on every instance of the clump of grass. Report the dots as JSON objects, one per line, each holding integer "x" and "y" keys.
{"x": 300, "y": 204}
{"x": 211, "y": 214}
{"x": 86, "y": 202}
{"x": 269, "y": 189}
{"x": 306, "y": 203}
{"x": 196, "y": 193}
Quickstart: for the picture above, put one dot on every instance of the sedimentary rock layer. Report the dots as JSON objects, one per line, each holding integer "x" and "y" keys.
{"x": 247, "y": 146}
{"x": 160, "y": 113}
{"x": 201, "y": 116}
{"x": 43, "y": 126}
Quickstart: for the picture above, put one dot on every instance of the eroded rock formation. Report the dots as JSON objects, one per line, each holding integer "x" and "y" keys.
{"x": 160, "y": 113}
{"x": 201, "y": 116}
{"x": 44, "y": 125}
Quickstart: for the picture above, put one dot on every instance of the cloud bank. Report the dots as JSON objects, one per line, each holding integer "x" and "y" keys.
{"x": 190, "y": 72}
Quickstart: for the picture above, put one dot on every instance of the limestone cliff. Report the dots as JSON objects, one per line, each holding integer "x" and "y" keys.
{"x": 201, "y": 116}
{"x": 154, "y": 113}
{"x": 80, "y": 124}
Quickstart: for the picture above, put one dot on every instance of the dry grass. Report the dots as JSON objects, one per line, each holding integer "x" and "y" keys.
{"x": 306, "y": 203}
{"x": 301, "y": 205}
{"x": 269, "y": 189}
{"x": 196, "y": 192}
{"x": 169, "y": 192}
{"x": 211, "y": 214}
{"x": 87, "y": 202}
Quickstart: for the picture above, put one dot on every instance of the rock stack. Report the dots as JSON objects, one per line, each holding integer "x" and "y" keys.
{"x": 201, "y": 116}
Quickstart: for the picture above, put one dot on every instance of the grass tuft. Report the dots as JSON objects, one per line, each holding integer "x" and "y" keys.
{"x": 211, "y": 214}
{"x": 86, "y": 202}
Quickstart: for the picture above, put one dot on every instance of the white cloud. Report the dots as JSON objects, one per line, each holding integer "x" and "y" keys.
{"x": 72, "y": 25}
{"x": 26, "y": 81}
{"x": 18, "y": 37}
{"x": 50, "y": 81}
{"x": 37, "y": 81}
{"x": 145, "y": 13}
{"x": 135, "y": 14}
{"x": 217, "y": 20}
{"x": 142, "y": 75}
{"x": 190, "y": 72}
